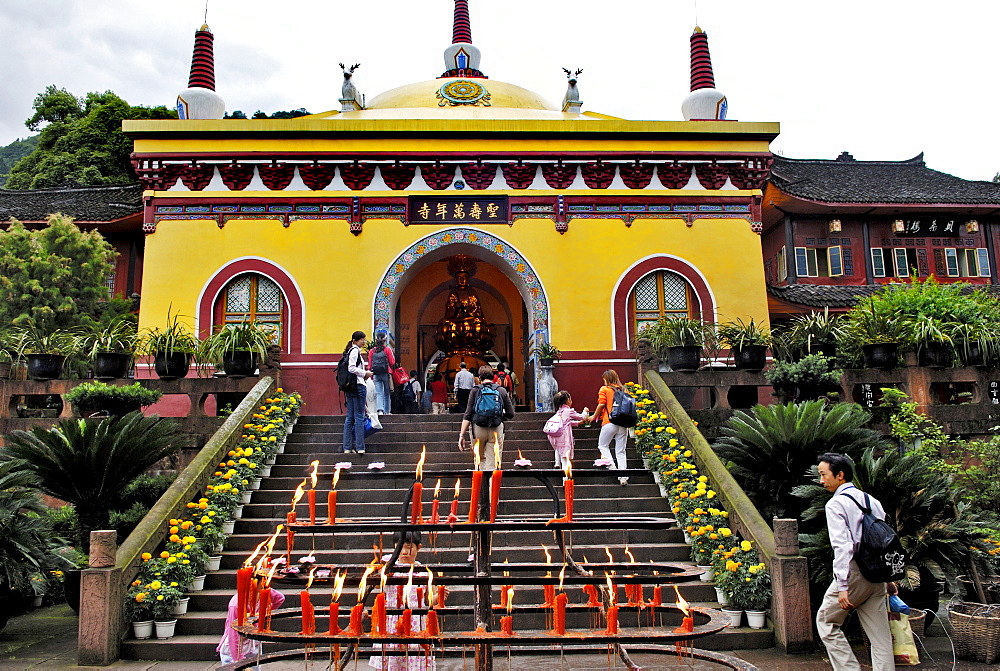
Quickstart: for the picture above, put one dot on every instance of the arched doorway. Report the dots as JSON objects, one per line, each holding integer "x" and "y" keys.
{"x": 504, "y": 268}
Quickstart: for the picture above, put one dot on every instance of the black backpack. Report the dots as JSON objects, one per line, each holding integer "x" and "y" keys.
{"x": 380, "y": 362}
{"x": 346, "y": 380}
{"x": 623, "y": 410}
{"x": 407, "y": 392}
{"x": 488, "y": 410}
{"x": 880, "y": 555}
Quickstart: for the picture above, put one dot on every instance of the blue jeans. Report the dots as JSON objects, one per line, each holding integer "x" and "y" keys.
{"x": 354, "y": 422}
{"x": 382, "y": 393}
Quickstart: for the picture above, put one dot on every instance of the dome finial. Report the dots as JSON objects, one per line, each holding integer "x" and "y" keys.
{"x": 199, "y": 100}
{"x": 461, "y": 59}
{"x": 704, "y": 102}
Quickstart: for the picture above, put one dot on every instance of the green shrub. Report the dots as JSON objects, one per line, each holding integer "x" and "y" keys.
{"x": 94, "y": 396}
{"x": 804, "y": 380}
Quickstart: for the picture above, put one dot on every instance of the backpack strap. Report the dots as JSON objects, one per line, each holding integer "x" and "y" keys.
{"x": 864, "y": 509}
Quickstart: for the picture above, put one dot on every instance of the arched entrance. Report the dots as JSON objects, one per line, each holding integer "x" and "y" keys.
{"x": 488, "y": 248}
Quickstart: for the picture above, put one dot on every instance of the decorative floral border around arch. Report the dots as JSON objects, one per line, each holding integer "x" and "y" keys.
{"x": 513, "y": 258}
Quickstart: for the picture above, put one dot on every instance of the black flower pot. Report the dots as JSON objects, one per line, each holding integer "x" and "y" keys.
{"x": 172, "y": 366}
{"x": 971, "y": 354}
{"x": 685, "y": 358}
{"x": 239, "y": 364}
{"x": 827, "y": 349}
{"x": 111, "y": 365}
{"x": 750, "y": 357}
{"x": 71, "y": 588}
{"x": 883, "y": 355}
{"x": 545, "y": 361}
{"x": 45, "y": 366}
{"x": 935, "y": 355}
{"x": 107, "y": 409}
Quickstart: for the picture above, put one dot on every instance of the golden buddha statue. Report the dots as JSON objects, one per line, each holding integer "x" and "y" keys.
{"x": 464, "y": 329}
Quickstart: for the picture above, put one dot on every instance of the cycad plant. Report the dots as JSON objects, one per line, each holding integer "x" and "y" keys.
{"x": 26, "y": 542}
{"x": 88, "y": 463}
{"x": 769, "y": 448}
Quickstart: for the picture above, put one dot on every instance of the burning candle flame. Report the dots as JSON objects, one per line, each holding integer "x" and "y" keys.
{"x": 496, "y": 452}
{"x": 506, "y": 574}
{"x": 420, "y": 464}
{"x": 299, "y": 493}
{"x": 431, "y": 596}
{"x": 336, "y": 477}
{"x": 681, "y": 603}
{"x": 585, "y": 560}
{"x": 510, "y": 598}
{"x": 338, "y": 585}
{"x": 519, "y": 455}
{"x": 437, "y": 488}
{"x": 562, "y": 576}
{"x": 253, "y": 555}
{"x": 271, "y": 541}
{"x": 568, "y": 470}
{"x": 611, "y": 559}
{"x": 476, "y": 456}
{"x": 363, "y": 585}
{"x": 631, "y": 557}
{"x": 548, "y": 556}
{"x": 270, "y": 574}
{"x": 309, "y": 582}
{"x": 612, "y": 592}
{"x": 382, "y": 578}
{"x": 314, "y": 474}
{"x": 458, "y": 487}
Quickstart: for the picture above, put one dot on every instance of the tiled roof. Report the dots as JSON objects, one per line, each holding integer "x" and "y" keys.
{"x": 85, "y": 203}
{"x": 842, "y": 296}
{"x": 846, "y": 180}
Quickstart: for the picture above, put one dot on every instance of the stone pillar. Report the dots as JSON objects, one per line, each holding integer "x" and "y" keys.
{"x": 101, "y": 594}
{"x": 786, "y": 536}
{"x": 790, "y": 609}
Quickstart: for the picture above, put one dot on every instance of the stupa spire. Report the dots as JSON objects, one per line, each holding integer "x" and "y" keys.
{"x": 461, "y": 59}
{"x": 704, "y": 102}
{"x": 199, "y": 100}
{"x": 462, "y": 30}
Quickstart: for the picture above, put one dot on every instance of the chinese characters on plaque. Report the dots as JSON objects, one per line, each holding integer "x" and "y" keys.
{"x": 943, "y": 228}
{"x": 451, "y": 210}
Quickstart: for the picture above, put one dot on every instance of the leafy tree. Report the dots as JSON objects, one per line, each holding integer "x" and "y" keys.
{"x": 293, "y": 114}
{"x": 13, "y": 153}
{"x": 80, "y": 140}
{"x": 90, "y": 463}
{"x": 54, "y": 275}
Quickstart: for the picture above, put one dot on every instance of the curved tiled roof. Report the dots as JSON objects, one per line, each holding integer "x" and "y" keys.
{"x": 846, "y": 180}
{"x": 842, "y": 296}
{"x": 84, "y": 203}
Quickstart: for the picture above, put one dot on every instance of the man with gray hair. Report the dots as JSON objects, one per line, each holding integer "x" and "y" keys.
{"x": 464, "y": 382}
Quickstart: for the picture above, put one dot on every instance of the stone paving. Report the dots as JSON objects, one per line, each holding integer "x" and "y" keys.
{"x": 46, "y": 639}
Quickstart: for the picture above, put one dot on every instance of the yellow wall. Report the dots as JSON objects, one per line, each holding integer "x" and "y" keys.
{"x": 338, "y": 273}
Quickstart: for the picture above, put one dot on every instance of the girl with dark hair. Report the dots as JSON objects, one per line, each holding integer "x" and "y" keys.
{"x": 610, "y": 432}
{"x": 354, "y": 421}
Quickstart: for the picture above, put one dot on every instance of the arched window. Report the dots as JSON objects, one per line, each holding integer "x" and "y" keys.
{"x": 252, "y": 297}
{"x": 661, "y": 294}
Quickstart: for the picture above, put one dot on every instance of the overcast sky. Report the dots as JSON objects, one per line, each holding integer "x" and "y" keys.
{"x": 883, "y": 79}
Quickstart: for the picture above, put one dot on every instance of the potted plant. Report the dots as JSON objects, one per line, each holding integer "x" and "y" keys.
{"x": 111, "y": 348}
{"x": 170, "y": 347}
{"x": 139, "y": 610}
{"x": 879, "y": 330}
{"x": 44, "y": 350}
{"x": 748, "y": 342}
{"x": 97, "y": 398}
{"x": 683, "y": 340}
{"x": 807, "y": 379}
{"x": 547, "y": 353}
{"x": 239, "y": 348}
{"x": 933, "y": 342}
{"x": 975, "y": 342}
{"x": 817, "y": 332}
{"x": 164, "y": 597}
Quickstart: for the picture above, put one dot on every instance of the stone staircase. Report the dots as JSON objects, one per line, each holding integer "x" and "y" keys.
{"x": 364, "y": 498}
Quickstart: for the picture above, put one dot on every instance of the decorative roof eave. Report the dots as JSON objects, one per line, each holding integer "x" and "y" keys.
{"x": 788, "y": 200}
{"x": 448, "y": 128}
{"x": 462, "y": 157}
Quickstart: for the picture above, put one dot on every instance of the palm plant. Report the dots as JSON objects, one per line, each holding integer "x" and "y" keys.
{"x": 26, "y": 541}
{"x": 769, "y": 448}
{"x": 816, "y": 328}
{"x": 739, "y": 334}
{"x": 88, "y": 463}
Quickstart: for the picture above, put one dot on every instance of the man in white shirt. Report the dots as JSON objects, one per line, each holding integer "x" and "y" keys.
{"x": 849, "y": 589}
{"x": 464, "y": 382}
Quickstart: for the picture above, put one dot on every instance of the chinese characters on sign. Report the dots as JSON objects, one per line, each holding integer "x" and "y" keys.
{"x": 993, "y": 393}
{"x": 450, "y": 210}
{"x": 942, "y": 228}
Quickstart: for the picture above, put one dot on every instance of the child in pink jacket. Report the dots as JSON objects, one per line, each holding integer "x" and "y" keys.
{"x": 561, "y": 439}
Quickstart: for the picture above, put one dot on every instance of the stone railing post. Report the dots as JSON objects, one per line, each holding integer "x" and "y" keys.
{"x": 790, "y": 590}
{"x": 101, "y": 599}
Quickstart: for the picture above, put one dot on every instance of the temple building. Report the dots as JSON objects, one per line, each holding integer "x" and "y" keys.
{"x": 469, "y": 218}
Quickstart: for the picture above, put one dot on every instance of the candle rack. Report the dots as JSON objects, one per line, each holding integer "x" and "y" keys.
{"x": 611, "y": 623}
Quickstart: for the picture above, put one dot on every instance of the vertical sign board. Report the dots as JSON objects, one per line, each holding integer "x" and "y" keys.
{"x": 994, "y": 392}
{"x": 458, "y": 210}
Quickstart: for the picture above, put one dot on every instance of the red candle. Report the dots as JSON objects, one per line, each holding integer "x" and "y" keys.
{"x": 569, "y": 487}
{"x": 591, "y": 592}
{"x": 264, "y": 613}
{"x": 331, "y": 507}
{"x": 404, "y": 626}
{"x": 354, "y": 628}
{"x": 311, "y": 497}
{"x": 308, "y": 613}
{"x": 435, "y": 516}
{"x": 417, "y": 515}
{"x": 334, "y": 619}
{"x": 687, "y": 625}
{"x": 432, "y": 624}
{"x": 495, "y": 493}
{"x": 378, "y": 615}
{"x": 505, "y": 596}
{"x": 290, "y": 538}
{"x": 612, "y": 620}
{"x": 507, "y": 625}
{"x": 657, "y": 596}
{"x": 477, "y": 485}
{"x": 453, "y": 513}
{"x": 442, "y": 593}
{"x": 550, "y": 595}
{"x": 244, "y": 576}
{"x": 560, "y": 614}
{"x": 252, "y": 601}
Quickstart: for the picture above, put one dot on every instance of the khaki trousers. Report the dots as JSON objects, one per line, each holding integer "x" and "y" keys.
{"x": 488, "y": 436}
{"x": 870, "y": 603}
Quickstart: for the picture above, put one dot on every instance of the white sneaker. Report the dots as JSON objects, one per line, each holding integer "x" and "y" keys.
{"x": 623, "y": 481}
